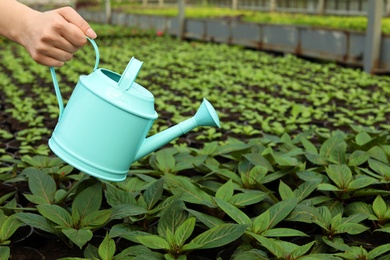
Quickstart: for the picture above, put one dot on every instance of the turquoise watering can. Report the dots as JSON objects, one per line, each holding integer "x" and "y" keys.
{"x": 103, "y": 128}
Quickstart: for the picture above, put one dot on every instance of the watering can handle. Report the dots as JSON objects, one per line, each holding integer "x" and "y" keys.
{"x": 55, "y": 82}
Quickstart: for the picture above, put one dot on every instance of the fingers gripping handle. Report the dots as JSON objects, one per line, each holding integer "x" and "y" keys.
{"x": 55, "y": 82}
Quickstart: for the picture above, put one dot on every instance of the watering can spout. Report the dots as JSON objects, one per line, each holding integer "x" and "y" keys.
{"x": 205, "y": 116}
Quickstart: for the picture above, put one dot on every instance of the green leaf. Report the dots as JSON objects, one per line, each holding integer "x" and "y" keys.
{"x": 341, "y": 175}
{"x": 56, "y": 214}
{"x": 283, "y": 232}
{"x": 361, "y": 182}
{"x": 362, "y": 138}
{"x": 42, "y": 185}
{"x": 380, "y": 167}
{"x": 87, "y": 201}
{"x": 184, "y": 231}
{"x": 383, "y": 229}
{"x": 257, "y": 159}
{"x": 107, "y": 248}
{"x": 8, "y": 227}
{"x": 247, "y": 198}
{"x": 358, "y": 158}
{"x": 187, "y": 191}
{"x": 271, "y": 245}
{"x": 301, "y": 250}
{"x": 36, "y": 199}
{"x": 153, "y": 193}
{"x": 117, "y": 196}
{"x": 225, "y": 173}
{"x": 233, "y": 212}
{"x": 225, "y": 192}
{"x": 330, "y": 145}
{"x": 358, "y": 207}
{"x": 216, "y": 237}
{"x": 165, "y": 161}
{"x": 126, "y": 210}
{"x": 351, "y": 228}
{"x": 283, "y": 160}
{"x": 261, "y": 222}
{"x": 285, "y": 191}
{"x": 378, "y": 251}
{"x": 280, "y": 210}
{"x": 208, "y": 220}
{"x": 379, "y": 207}
{"x": 36, "y": 221}
{"x": 306, "y": 188}
{"x": 154, "y": 242}
{"x": 338, "y": 154}
{"x": 96, "y": 219}
{"x": 309, "y": 147}
{"x": 5, "y": 253}
{"x": 78, "y": 236}
{"x": 171, "y": 218}
{"x": 316, "y": 158}
{"x": 327, "y": 187}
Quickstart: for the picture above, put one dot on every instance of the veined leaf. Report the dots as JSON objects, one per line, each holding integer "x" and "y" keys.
{"x": 187, "y": 191}
{"x": 36, "y": 221}
{"x": 96, "y": 218}
{"x": 225, "y": 173}
{"x": 378, "y": 251}
{"x": 154, "y": 242}
{"x": 285, "y": 191}
{"x": 153, "y": 193}
{"x": 184, "y": 231}
{"x": 358, "y": 157}
{"x": 260, "y": 223}
{"x": 233, "y": 212}
{"x": 208, "y": 220}
{"x": 302, "y": 250}
{"x": 380, "y": 167}
{"x": 362, "y": 138}
{"x": 216, "y": 237}
{"x": 107, "y": 248}
{"x": 172, "y": 217}
{"x": 116, "y": 196}
{"x": 351, "y": 228}
{"x": 309, "y": 147}
{"x": 247, "y": 198}
{"x": 316, "y": 158}
{"x": 280, "y": 210}
{"x": 379, "y": 207}
{"x": 56, "y": 214}
{"x": 5, "y": 253}
{"x": 225, "y": 192}
{"x": 271, "y": 245}
{"x": 257, "y": 159}
{"x": 341, "y": 175}
{"x": 8, "y": 227}
{"x": 361, "y": 182}
{"x": 283, "y": 232}
{"x": 165, "y": 161}
{"x": 306, "y": 188}
{"x": 78, "y": 236}
{"x": 126, "y": 210}
{"x": 87, "y": 201}
{"x": 42, "y": 185}
{"x": 330, "y": 145}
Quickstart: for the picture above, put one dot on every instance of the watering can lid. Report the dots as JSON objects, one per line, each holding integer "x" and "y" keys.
{"x": 136, "y": 99}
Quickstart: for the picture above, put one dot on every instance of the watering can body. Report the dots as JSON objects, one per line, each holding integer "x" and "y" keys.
{"x": 103, "y": 128}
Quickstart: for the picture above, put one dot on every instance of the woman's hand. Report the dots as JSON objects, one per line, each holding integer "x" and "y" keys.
{"x": 52, "y": 37}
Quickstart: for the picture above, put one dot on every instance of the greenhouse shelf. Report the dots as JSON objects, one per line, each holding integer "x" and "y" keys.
{"x": 342, "y": 46}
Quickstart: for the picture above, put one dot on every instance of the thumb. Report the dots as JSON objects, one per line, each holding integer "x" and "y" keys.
{"x": 73, "y": 17}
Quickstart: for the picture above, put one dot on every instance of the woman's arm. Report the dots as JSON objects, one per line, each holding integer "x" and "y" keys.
{"x": 51, "y": 37}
